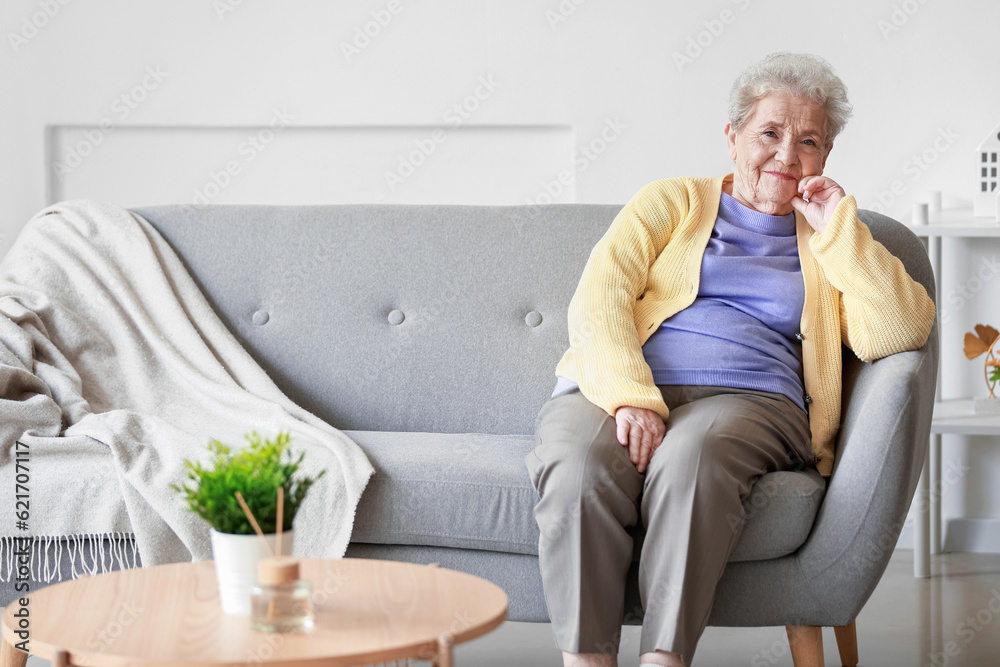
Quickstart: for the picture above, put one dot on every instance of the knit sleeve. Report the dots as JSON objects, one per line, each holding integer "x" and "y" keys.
{"x": 604, "y": 344}
{"x": 882, "y": 309}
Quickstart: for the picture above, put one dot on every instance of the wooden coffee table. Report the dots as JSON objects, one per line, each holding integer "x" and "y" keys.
{"x": 367, "y": 611}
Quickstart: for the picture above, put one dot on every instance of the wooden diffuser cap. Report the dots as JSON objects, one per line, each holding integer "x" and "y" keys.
{"x": 277, "y": 570}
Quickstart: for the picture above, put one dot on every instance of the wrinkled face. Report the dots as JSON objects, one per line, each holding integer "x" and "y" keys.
{"x": 783, "y": 140}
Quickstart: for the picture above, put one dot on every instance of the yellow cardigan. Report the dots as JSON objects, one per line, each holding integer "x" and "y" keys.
{"x": 647, "y": 266}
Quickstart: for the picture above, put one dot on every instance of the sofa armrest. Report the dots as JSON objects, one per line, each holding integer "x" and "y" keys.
{"x": 888, "y": 406}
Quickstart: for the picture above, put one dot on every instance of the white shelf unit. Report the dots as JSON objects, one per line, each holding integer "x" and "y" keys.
{"x": 958, "y": 222}
{"x": 952, "y": 416}
{"x": 958, "y": 417}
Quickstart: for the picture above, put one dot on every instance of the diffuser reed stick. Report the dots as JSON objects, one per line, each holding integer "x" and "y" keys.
{"x": 281, "y": 516}
{"x": 253, "y": 522}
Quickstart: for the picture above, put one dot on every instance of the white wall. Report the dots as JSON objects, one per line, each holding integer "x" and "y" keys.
{"x": 538, "y": 80}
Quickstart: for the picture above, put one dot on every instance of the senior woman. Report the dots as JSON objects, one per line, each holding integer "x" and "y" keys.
{"x": 705, "y": 350}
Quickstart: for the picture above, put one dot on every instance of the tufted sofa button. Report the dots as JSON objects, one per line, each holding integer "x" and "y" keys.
{"x": 396, "y": 317}
{"x": 533, "y": 319}
{"x": 261, "y": 317}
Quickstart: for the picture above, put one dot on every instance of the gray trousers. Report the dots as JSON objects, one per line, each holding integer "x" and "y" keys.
{"x": 718, "y": 442}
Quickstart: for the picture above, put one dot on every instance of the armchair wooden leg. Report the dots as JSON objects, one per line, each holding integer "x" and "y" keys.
{"x": 806, "y": 643}
{"x": 847, "y": 643}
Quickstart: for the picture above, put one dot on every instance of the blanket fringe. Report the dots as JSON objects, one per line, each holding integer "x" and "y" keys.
{"x": 88, "y": 553}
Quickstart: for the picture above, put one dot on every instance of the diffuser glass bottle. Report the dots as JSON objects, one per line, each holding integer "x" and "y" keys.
{"x": 282, "y": 602}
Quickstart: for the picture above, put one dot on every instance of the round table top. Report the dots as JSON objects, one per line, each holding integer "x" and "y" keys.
{"x": 366, "y": 611}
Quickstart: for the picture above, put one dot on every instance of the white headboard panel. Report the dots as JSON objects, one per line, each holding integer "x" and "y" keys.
{"x": 281, "y": 163}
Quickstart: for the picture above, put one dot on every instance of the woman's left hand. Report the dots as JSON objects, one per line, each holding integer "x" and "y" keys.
{"x": 823, "y": 195}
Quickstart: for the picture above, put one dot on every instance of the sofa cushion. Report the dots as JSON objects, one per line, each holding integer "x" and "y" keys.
{"x": 447, "y": 489}
{"x": 472, "y": 491}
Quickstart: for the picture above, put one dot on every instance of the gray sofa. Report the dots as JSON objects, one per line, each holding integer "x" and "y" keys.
{"x": 430, "y": 334}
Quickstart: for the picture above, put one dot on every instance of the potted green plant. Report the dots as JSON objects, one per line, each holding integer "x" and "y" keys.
{"x": 256, "y": 471}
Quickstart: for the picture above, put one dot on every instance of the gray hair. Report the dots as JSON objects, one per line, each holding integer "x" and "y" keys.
{"x": 798, "y": 74}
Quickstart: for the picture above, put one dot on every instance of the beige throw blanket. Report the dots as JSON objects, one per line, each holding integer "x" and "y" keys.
{"x": 107, "y": 346}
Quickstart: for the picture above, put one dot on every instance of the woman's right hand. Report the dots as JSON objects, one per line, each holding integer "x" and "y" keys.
{"x": 640, "y": 430}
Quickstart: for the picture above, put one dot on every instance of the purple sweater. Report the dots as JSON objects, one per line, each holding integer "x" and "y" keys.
{"x": 741, "y": 329}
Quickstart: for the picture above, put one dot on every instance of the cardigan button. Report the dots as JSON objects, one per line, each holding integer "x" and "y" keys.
{"x": 808, "y": 400}
{"x": 799, "y": 336}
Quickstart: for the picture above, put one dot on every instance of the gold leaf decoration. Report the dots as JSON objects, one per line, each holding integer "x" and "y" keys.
{"x": 973, "y": 346}
{"x": 987, "y": 334}
{"x": 983, "y": 342}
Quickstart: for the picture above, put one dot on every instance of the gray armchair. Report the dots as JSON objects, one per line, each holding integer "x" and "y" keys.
{"x": 881, "y": 446}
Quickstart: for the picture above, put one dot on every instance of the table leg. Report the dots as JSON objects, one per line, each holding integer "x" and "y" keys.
{"x": 444, "y": 654}
{"x": 937, "y": 541}
{"x": 10, "y": 656}
{"x": 921, "y": 525}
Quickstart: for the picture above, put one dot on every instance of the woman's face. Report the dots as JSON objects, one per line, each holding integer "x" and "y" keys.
{"x": 783, "y": 141}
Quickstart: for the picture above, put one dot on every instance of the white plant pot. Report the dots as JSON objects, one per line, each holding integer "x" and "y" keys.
{"x": 236, "y": 558}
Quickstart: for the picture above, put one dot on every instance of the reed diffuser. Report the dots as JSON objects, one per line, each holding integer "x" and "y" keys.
{"x": 281, "y": 602}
